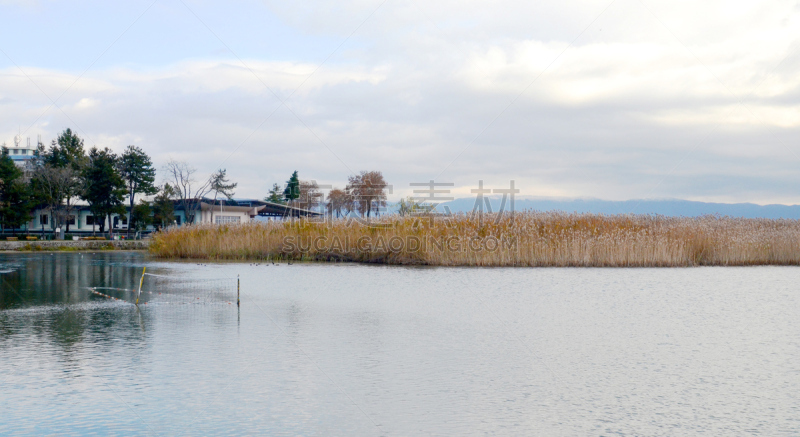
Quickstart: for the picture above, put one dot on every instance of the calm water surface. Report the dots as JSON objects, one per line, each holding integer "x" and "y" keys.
{"x": 365, "y": 350}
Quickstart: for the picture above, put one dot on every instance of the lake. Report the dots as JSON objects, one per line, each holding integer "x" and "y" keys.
{"x": 343, "y": 349}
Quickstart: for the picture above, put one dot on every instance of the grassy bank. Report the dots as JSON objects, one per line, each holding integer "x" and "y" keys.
{"x": 526, "y": 239}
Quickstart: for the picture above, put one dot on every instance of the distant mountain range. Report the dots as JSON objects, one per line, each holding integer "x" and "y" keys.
{"x": 668, "y": 207}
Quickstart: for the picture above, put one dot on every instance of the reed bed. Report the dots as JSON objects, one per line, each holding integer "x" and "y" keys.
{"x": 523, "y": 239}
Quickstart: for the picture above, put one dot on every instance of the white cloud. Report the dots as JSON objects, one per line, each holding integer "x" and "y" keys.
{"x": 702, "y": 108}
{"x": 86, "y": 103}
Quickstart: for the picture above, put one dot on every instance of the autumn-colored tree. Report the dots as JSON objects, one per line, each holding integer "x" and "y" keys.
{"x": 340, "y": 202}
{"x": 368, "y": 190}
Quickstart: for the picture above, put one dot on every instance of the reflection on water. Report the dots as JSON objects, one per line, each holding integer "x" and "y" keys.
{"x": 365, "y": 350}
{"x": 62, "y": 278}
{"x": 45, "y": 298}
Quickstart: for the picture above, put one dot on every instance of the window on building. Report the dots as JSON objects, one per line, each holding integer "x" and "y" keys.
{"x": 90, "y": 220}
{"x": 222, "y": 219}
{"x": 71, "y": 220}
{"x": 43, "y": 219}
{"x": 123, "y": 219}
{"x": 177, "y": 219}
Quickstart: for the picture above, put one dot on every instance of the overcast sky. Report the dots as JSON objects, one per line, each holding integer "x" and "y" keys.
{"x": 615, "y": 100}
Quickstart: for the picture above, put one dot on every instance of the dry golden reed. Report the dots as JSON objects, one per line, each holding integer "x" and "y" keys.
{"x": 523, "y": 239}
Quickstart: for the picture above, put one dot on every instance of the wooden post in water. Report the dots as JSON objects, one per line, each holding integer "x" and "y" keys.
{"x": 141, "y": 281}
{"x": 237, "y": 290}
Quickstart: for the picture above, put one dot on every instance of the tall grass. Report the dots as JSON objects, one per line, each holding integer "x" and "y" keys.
{"x": 524, "y": 239}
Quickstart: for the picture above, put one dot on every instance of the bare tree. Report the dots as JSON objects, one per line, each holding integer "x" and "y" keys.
{"x": 56, "y": 171}
{"x": 310, "y": 196}
{"x": 369, "y": 191}
{"x": 55, "y": 186}
{"x": 190, "y": 194}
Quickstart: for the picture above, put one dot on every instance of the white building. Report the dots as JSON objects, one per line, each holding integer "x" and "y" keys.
{"x": 22, "y": 153}
{"x": 83, "y": 221}
{"x": 219, "y": 214}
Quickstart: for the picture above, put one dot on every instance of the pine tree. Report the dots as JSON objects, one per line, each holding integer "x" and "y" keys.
{"x": 105, "y": 189}
{"x": 275, "y": 195}
{"x": 137, "y": 171}
{"x": 66, "y": 150}
{"x": 292, "y": 190}
{"x": 221, "y": 185}
{"x": 15, "y": 201}
{"x": 141, "y": 216}
{"x": 163, "y": 207}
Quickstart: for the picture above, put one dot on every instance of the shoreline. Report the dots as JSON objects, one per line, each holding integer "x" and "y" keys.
{"x": 72, "y": 246}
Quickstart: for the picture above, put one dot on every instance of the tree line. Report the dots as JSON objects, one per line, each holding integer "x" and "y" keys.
{"x": 59, "y": 175}
{"x": 64, "y": 172}
{"x": 365, "y": 194}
